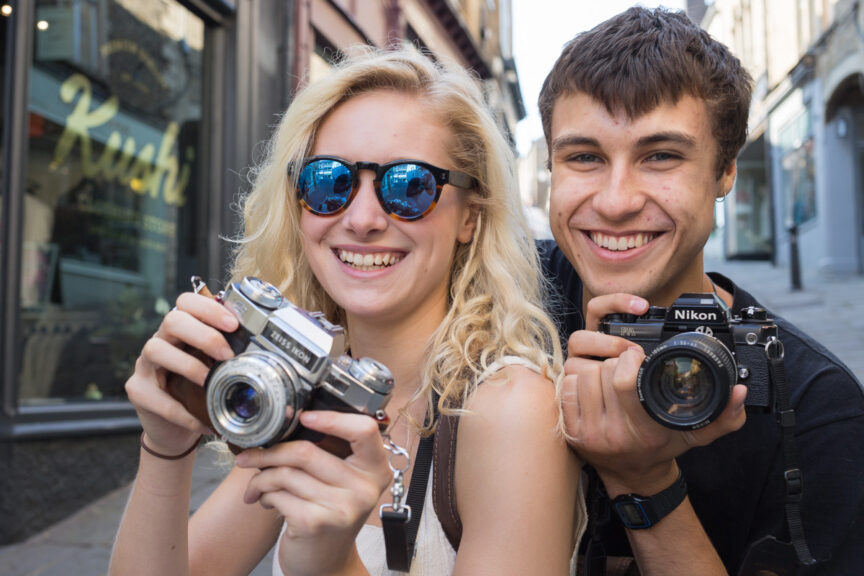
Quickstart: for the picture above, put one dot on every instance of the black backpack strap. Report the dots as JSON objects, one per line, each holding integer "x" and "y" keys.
{"x": 443, "y": 484}
{"x": 769, "y": 553}
{"x": 792, "y": 473}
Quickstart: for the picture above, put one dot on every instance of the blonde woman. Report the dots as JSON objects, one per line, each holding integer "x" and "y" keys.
{"x": 387, "y": 201}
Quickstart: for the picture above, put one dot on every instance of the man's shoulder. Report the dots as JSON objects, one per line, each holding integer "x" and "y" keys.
{"x": 551, "y": 257}
{"x": 563, "y": 295}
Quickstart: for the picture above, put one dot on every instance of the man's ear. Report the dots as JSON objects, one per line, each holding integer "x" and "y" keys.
{"x": 468, "y": 225}
{"x": 727, "y": 179}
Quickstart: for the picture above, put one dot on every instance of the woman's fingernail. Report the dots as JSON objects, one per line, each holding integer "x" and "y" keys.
{"x": 638, "y": 304}
{"x": 309, "y": 417}
{"x": 241, "y": 459}
{"x": 229, "y": 322}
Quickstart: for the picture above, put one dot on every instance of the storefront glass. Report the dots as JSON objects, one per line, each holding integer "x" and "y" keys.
{"x": 112, "y": 224}
{"x": 748, "y": 207}
{"x": 798, "y": 178}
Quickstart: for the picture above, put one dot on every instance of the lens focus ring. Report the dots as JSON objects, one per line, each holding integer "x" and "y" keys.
{"x": 254, "y": 398}
{"x": 685, "y": 383}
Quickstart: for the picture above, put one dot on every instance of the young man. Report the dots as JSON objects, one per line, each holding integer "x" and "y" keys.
{"x": 644, "y": 116}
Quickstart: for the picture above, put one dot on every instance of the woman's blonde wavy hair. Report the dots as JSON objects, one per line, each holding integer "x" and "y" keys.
{"x": 495, "y": 287}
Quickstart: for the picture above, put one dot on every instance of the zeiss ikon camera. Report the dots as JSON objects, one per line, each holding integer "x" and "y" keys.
{"x": 288, "y": 360}
{"x": 696, "y": 353}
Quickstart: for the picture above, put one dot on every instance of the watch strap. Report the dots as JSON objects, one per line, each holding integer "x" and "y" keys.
{"x": 640, "y": 512}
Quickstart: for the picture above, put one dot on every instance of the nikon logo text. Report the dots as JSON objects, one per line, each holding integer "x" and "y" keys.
{"x": 693, "y": 315}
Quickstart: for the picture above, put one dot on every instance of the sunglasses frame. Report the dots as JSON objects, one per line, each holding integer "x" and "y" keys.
{"x": 442, "y": 177}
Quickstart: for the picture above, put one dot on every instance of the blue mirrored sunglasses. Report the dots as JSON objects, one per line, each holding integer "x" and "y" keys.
{"x": 406, "y": 189}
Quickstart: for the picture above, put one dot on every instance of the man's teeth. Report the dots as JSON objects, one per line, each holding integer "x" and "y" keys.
{"x": 368, "y": 262}
{"x": 618, "y": 243}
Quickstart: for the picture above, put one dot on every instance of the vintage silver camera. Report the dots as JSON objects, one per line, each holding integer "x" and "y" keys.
{"x": 288, "y": 360}
{"x": 696, "y": 353}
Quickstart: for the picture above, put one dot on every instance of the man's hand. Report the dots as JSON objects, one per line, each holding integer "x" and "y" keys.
{"x": 604, "y": 420}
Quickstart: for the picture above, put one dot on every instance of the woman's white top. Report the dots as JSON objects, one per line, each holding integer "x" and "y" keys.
{"x": 433, "y": 554}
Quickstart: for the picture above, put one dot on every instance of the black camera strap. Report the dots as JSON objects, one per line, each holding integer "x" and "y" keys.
{"x": 401, "y": 526}
{"x": 792, "y": 473}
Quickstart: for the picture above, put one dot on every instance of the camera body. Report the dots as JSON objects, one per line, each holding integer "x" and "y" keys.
{"x": 287, "y": 360}
{"x": 695, "y": 353}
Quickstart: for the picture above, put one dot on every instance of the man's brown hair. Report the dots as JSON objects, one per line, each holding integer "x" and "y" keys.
{"x": 642, "y": 58}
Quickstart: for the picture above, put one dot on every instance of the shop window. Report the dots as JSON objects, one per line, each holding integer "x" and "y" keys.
{"x": 110, "y": 231}
{"x": 798, "y": 169}
{"x": 748, "y": 229}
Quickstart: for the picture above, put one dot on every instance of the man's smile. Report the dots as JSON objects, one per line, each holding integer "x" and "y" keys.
{"x": 620, "y": 243}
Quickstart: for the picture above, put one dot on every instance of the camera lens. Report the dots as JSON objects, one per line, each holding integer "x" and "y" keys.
{"x": 685, "y": 382}
{"x": 255, "y": 398}
{"x": 242, "y": 401}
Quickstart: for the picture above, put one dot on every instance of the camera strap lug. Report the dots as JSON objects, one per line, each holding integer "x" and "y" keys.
{"x": 398, "y": 487}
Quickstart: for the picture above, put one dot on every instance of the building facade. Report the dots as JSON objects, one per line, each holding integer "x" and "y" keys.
{"x": 800, "y": 174}
{"x": 127, "y": 129}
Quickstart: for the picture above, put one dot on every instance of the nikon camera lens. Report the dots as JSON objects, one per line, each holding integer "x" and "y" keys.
{"x": 686, "y": 382}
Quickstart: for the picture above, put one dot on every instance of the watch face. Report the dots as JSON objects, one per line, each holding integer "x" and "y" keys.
{"x": 632, "y": 514}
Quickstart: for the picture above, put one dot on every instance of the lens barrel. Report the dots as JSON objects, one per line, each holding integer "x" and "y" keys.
{"x": 685, "y": 382}
{"x": 255, "y": 399}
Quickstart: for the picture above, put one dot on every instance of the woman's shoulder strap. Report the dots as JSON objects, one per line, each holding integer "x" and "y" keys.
{"x": 444, "y": 459}
{"x": 443, "y": 485}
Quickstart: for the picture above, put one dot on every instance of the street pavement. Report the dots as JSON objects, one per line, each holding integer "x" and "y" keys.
{"x": 829, "y": 309}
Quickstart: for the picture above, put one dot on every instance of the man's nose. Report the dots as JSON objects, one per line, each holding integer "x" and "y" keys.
{"x": 621, "y": 195}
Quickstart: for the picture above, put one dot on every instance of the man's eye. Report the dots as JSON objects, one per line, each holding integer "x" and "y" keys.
{"x": 663, "y": 157}
{"x": 583, "y": 158}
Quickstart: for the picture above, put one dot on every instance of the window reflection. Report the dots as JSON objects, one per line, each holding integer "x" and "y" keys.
{"x": 798, "y": 169}
{"x": 111, "y": 195}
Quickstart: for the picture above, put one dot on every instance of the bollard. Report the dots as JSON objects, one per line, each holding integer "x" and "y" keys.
{"x": 794, "y": 263}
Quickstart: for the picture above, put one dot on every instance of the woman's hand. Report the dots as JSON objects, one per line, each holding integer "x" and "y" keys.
{"x": 324, "y": 499}
{"x": 197, "y": 322}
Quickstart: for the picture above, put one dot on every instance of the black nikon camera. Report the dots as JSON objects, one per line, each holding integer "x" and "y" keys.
{"x": 288, "y": 360}
{"x": 696, "y": 353}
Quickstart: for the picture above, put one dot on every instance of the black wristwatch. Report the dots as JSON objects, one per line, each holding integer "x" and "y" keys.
{"x": 640, "y": 512}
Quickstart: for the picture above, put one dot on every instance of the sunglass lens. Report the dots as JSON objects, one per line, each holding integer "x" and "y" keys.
{"x": 408, "y": 190}
{"x": 325, "y": 186}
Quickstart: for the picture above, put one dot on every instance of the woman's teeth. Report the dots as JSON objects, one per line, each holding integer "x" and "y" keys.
{"x": 367, "y": 262}
{"x": 619, "y": 243}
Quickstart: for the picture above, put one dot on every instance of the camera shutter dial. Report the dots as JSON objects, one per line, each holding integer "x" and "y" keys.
{"x": 372, "y": 374}
{"x": 261, "y": 293}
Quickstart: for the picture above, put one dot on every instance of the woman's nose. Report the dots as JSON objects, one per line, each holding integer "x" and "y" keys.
{"x": 365, "y": 216}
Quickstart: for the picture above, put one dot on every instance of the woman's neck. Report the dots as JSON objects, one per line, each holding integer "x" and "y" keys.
{"x": 399, "y": 346}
